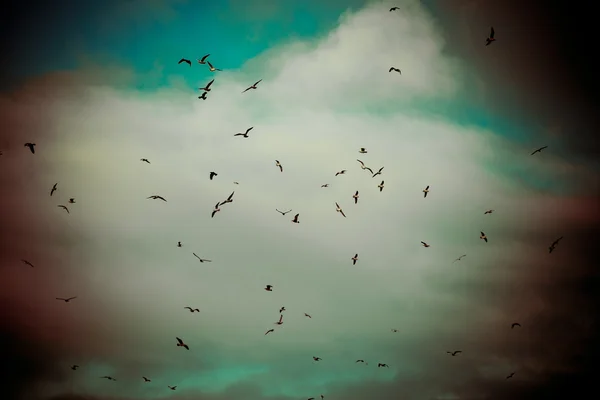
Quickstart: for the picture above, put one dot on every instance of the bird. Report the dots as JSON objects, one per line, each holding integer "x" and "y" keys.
{"x": 203, "y": 59}
{"x": 363, "y": 166}
{"x": 454, "y": 353}
{"x": 307, "y": 315}
{"x": 211, "y": 68}
{"x": 74, "y": 367}
{"x": 425, "y": 191}
{"x": 192, "y": 309}
{"x": 483, "y": 237}
{"x": 342, "y": 172}
{"x": 110, "y": 378}
{"x": 172, "y": 387}
{"x": 280, "y": 322}
{"x": 282, "y": 212}
{"x": 491, "y": 38}
{"x": 269, "y": 331}
{"x": 394, "y": 9}
{"x": 278, "y": 164}
{"x": 317, "y": 358}
{"x": 72, "y": 200}
{"x": 253, "y": 86}
{"x": 229, "y": 199}
{"x": 212, "y": 175}
{"x": 325, "y": 185}
{"x": 553, "y": 245}
{"x": 245, "y": 134}
{"x": 515, "y": 324}
{"x": 179, "y": 244}
{"x": 510, "y": 375}
{"x": 362, "y": 150}
{"x": 64, "y": 207}
{"x": 354, "y": 259}
{"x": 146, "y": 379}
{"x": 355, "y": 197}
{"x": 380, "y": 365}
{"x": 28, "y": 263}
{"x": 236, "y": 183}
{"x": 339, "y": 209}
{"x": 216, "y": 210}
{"x": 185, "y": 60}
{"x": 282, "y": 309}
{"x": 378, "y": 172}
{"x": 395, "y": 330}
{"x": 145, "y": 160}
{"x": 67, "y": 299}
{"x": 380, "y": 186}
{"x": 459, "y": 258}
{"x": 395, "y": 69}
{"x": 202, "y": 96}
{"x": 488, "y": 212}
{"x": 425, "y": 244}
{"x": 269, "y": 288}
{"x": 53, "y": 189}
{"x": 207, "y": 87}
{"x": 156, "y": 197}
{"x": 361, "y": 361}
{"x": 202, "y": 260}
{"x": 539, "y": 150}
{"x": 295, "y": 220}
{"x": 31, "y": 147}
{"x": 180, "y": 343}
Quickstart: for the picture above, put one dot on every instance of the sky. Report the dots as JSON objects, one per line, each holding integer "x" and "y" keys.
{"x": 97, "y": 87}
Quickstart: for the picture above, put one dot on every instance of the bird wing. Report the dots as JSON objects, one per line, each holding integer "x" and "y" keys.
{"x": 391, "y": 69}
{"x": 342, "y": 212}
{"x": 369, "y": 169}
{"x": 205, "y": 57}
{"x": 249, "y": 129}
{"x": 361, "y": 163}
{"x": 231, "y": 196}
{"x": 71, "y": 298}
{"x": 492, "y": 32}
{"x": 259, "y": 81}
{"x": 27, "y": 262}
{"x": 281, "y": 318}
{"x": 246, "y": 90}
{"x": 209, "y": 64}
{"x": 209, "y": 83}
{"x": 179, "y": 340}
{"x": 380, "y": 169}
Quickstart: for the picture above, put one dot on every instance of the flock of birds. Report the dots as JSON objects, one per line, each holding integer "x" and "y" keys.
{"x": 295, "y": 219}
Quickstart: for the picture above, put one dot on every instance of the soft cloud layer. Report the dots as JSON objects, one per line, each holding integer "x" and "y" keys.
{"x": 318, "y": 104}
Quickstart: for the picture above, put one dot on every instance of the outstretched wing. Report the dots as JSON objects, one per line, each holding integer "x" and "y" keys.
{"x": 492, "y": 32}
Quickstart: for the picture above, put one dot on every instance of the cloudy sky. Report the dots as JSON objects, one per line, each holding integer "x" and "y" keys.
{"x": 97, "y": 87}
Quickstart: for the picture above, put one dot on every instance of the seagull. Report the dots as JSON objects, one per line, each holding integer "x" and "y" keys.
{"x": 354, "y": 259}
{"x": 212, "y": 175}
{"x": 72, "y": 200}
{"x": 395, "y": 69}
{"x": 211, "y": 68}
{"x": 362, "y": 150}
{"x": 362, "y": 361}
{"x": 216, "y": 210}
{"x": 192, "y": 309}
{"x": 380, "y": 186}
{"x": 146, "y": 379}
{"x": 202, "y": 260}
{"x": 394, "y": 9}
{"x": 156, "y": 197}
{"x": 355, "y": 197}
{"x": 491, "y": 38}
{"x": 253, "y": 86}
{"x": 269, "y": 288}
{"x": 307, "y": 315}
{"x": 339, "y": 209}
{"x": 282, "y": 309}
{"x": 378, "y": 172}
{"x": 317, "y": 358}
{"x": 244, "y": 134}
{"x": 278, "y": 164}
{"x": 395, "y": 330}
{"x": 488, "y": 212}
{"x": 185, "y": 60}
{"x": 229, "y": 199}
{"x": 380, "y": 365}
{"x": 179, "y": 244}
{"x": 510, "y": 375}
{"x": 454, "y": 353}
{"x": 202, "y": 96}
{"x": 207, "y": 87}
{"x": 342, "y": 172}
{"x": 28, "y": 263}
{"x": 203, "y": 59}
{"x": 74, "y": 367}
{"x": 295, "y": 220}
{"x": 65, "y": 208}
{"x": 110, "y": 378}
{"x": 67, "y": 299}
{"x": 425, "y": 191}
{"x": 515, "y": 324}
{"x": 269, "y": 331}
{"x": 539, "y": 150}
{"x": 144, "y": 160}
{"x": 325, "y": 185}
{"x": 181, "y": 344}
{"x": 172, "y": 387}
{"x": 459, "y": 258}
{"x": 282, "y": 212}
{"x": 363, "y": 166}
{"x": 425, "y": 244}
{"x": 31, "y": 147}
{"x": 53, "y": 189}
{"x": 483, "y": 237}
{"x": 280, "y": 322}
{"x": 553, "y": 245}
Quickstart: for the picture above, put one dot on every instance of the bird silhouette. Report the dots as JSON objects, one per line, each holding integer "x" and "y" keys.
{"x": 156, "y": 197}
{"x": 31, "y": 147}
{"x": 192, "y": 309}
{"x": 212, "y": 175}
{"x": 295, "y": 220}
{"x": 146, "y": 379}
{"x": 282, "y": 309}
{"x": 342, "y": 172}
{"x": 381, "y": 186}
{"x": 67, "y": 299}
{"x": 145, "y": 160}
{"x": 53, "y": 189}
{"x": 395, "y": 70}
{"x": 317, "y": 358}
{"x": 425, "y": 191}
{"x": 203, "y": 96}
{"x": 211, "y": 68}
{"x": 269, "y": 288}
{"x": 64, "y": 208}
{"x": 179, "y": 244}
{"x": 425, "y": 244}
{"x": 354, "y": 259}
{"x": 339, "y": 209}
{"x": 202, "y": 260}
{"x": 72, "y": 200}
{"x": 278, "y": 164}
{"x": 283, "y": 212}
{"x": 459, "y": 258}
{"x": 378, "y": 172}
{"x": 539, "y": 150}
{"x": 203, "y": 59}
{"x": 28, "y": 263}
{"x": 364, "y": 167}
{"x": 510, "y": 375}
{"x": 514, "y": 325}
{"x": 454, "y": 353}
{"x": 252, "y": 86}
{"x": 269, "y": 331}
{"x": 245, "y": 134}
{"x": 362, "y": 150}
{"x": 483, "y": 237}
{"x": 382, "y": 365}
{"x": 394, "y": 9}
{"x": 172, "y": 387}
{"x": 491, "y": 38}
{"x": 206, "y": 88}
{"x": 553, "y": 245}
{"x": 180, "y": 343}
{"x": 355, "y": 197}
{"x": 185, "y": 60}
{"x": 110, "y": 378}
{"x": 488, "y": 212}
{"x": 307, "y": 315}
{"x": 74, "y": 367}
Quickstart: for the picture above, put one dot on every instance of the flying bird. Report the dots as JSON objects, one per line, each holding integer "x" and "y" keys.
{"x": 380, "y": 365}
{"x": 510, "y": 375}
{"x": 539, "y": 150}
{"x": 269, "y": 331}
{"x": 202, "y": 260}
{"x": 380, "y": 186}
{"x": 212, "y": 175}
{"x": 203, "y": 96}
{"x": 515, "y": 324}
{"x": 53, "y": 189}
{"x": 378, "y": 172}
{"x": 363, "y": 166}
{"x": 74, "y": 367}
{"x": 454, "y": 353}
{"x": 488, "y": 212}
{"x": 180, "y": 343}
{"x": 229, "y": 199}
{"x": 146, "y": 379}
{"x": 339, "y": 209}
{"x": 354, "y": 259}
{"x": 553, "y": 245}
{"x": 425, "y": 191}
{"x": 245, "y": 134}
{"x": 395, "y": 69}
{"x": 253, "y": 86}
{"x": 282, "y": 212}
{"x": 295, "y": 220}
{"x": 459, "y": 258}
{"x": 361, "y": 361}
{"x": 67, "y": 299}
{"x": 145, "y": 160}
{"x": 172, "y": 387}
{"x": 269, "y": 288}
{"x": 185, "y": 60}
{"x": 72, "y": 200}
{"x": 28, "y": 263}
{"x": 207, "y": 87}
{"x": 483, "y": 237}
{"x": 317, "y": 358}
{"x": 192, "y": 309}
{"x": 325, "y": 185}
{"x": 280, "y": 322}
{"x": 355, "y": 197}
{"x": 216, "y": 210}
{"x": 282, "y": 309}
{"x": 425, "y": 244}
{"x": 110, "y": 378}
{"x": 307, "y": 315}
{"x": 394, "y": 9}
{"x": 278, "y": 164}
{"x": 31, "y": 147}
{"x": 203, "y": 59}
{"x": 179, "y": 244}
{"x": 342, "y": 172}
{"x": 156, "y": 197}
{"x": 491, "y": 38}
{"x": 64, "y": 207}
{"x": 395, "y": 330}
{"x": 362, "y": 150}
{"x": 211, "y": 68}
